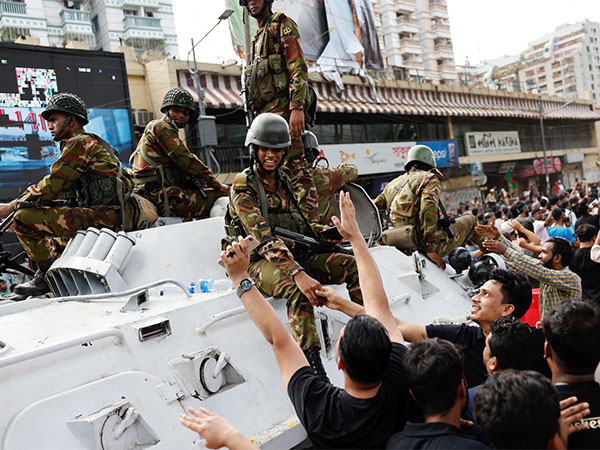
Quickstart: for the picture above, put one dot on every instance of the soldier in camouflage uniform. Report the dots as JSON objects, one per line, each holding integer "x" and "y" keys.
{"x": 412, "y": 199}
{"x": 166, "y": 172}
{"x": 276, "y": 82}
{"x": 88, "y": 172}
{"x": 327, "y": 180}
{"x": 261, "y": 199}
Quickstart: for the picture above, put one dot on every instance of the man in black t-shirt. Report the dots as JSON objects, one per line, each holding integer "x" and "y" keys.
{"x": 572, "y": 350}
{"x": 582, "y": 264}
{"x": 370, "y": 352}
{"x": 434, "y": 371}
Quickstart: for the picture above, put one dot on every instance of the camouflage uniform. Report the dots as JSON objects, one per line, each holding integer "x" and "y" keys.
{"x": 272, "y": 265}
{"x": 162, "y": 145}
{"x": 327, "y": 182}
{"x": 396, "y": 200}
{"x": 82, "y": 157}
{"x": 283, "y": 39}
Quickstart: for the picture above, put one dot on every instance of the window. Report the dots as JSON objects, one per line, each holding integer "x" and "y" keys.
{"x": 130, "y": 12}
{"x": 149, "y": 14}
{"x": 95, "y": 24}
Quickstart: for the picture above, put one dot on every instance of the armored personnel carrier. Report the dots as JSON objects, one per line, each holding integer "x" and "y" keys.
{"x": 125, "y": 345}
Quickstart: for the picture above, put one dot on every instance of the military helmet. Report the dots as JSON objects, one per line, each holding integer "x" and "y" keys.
{"x": 460, "y": 259}
{"x": 67, "y": 103}
{"x": 420, "y": 153}
{"x": 179, "y": 97}
{"x": 311, "y": 146}
{"x": 270, "y": 131}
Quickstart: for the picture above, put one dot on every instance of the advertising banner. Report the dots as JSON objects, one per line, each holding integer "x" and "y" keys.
{"x": 374, "y": 158}
{"x": 480, "y": 143}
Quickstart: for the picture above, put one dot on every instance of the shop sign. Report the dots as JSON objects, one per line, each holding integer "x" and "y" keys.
{"x": 554, "y": 165}
{"x": 526, "y": 173}
{"x": 480, "y": 143}
{"x": 373, "y": 158}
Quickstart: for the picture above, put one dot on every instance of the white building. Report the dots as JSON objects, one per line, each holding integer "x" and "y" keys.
{"x": 417, "y": 39}
{"x": 101, "y": 24}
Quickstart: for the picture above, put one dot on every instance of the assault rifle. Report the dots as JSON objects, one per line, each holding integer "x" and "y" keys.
{"x": 198, "y": 184}
{"x": 445, "y": 221}
{"x": 6, "y": 261}
{"x": 303, "y": 246}
{"x": 43, "y": 203}
{"x": 246, "y": 97}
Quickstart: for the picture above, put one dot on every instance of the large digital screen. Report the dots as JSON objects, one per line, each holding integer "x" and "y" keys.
{"x": 29, "y": 76}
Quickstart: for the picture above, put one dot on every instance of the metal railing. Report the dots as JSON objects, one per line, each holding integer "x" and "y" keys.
{"x": 74, "y": 15}
{"x": 12, "y": 8}
{"x": 141, "y": 22}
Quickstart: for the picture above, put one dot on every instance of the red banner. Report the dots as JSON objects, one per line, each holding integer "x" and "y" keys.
{"x": 554, "y": 165}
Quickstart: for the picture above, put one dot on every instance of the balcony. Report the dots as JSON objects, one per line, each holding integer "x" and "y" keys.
{"x": 145, "y": 3}
{"x": 141, "y": 22}
{"x": 444, "y": 50}
{"x": 12, "y": 8}
{"x": 441, "y": 29}
{"x": 438, "y": 10}
{"x": 74, "y": 16}
{"x": 405, "y": 5}
{"x": 410, "y": 46}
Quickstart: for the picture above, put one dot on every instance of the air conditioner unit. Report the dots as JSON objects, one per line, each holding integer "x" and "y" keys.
{"x": 142, "y": 117}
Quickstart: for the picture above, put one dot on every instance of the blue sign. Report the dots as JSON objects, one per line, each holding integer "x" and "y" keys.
{"x": 445, "y": 152}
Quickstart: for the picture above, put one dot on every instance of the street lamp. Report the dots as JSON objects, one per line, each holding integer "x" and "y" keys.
{"x": 194, "y": 72}
{"x": 542, "y": 112}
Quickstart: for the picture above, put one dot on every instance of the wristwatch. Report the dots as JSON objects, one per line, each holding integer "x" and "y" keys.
{"x": 245, "y": 285}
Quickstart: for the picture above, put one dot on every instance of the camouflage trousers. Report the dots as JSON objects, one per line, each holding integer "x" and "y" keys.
{"x": 464, "y": 231}
{"x": 42, "y": 231}
{"x": 327, "y": 268}
{"x": 185, "y": 203}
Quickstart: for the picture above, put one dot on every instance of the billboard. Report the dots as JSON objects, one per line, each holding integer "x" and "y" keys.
{"x": 374, "y": 158}
{"x": 480, "y": 143}
{"x": 29, "y": 76}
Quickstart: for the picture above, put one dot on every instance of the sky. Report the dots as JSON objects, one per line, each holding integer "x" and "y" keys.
{"x": 481, "y": 29}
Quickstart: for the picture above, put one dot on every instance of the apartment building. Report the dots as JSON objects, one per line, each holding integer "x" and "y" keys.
{"x": 97, "y": 24}
{"x": 565, "y": 62}
{"x": 417, "y": 40}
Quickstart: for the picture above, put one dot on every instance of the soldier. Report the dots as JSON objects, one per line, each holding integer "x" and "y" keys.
{"x": 88, "y": 172}
{"x": 261, "y": 199}
{"x": 277, "y": 82}
{"x": 412, "y": 202}
{"x": 166, "y": 172}
{"x": 327, "y": 181}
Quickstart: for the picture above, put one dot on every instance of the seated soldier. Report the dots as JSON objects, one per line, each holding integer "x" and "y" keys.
{"x": 413, "y": 202}
{"x": 166, "y": 172}
{"x": 88, "y": 172}
{"x": 262, "y": 199}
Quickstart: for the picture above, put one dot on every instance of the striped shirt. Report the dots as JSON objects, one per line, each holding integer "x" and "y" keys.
{"x": 556, "y": 286}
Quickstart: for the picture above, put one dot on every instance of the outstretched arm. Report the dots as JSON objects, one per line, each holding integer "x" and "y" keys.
{"x": 216, "y": 431}
{"x": 287, "y": 352}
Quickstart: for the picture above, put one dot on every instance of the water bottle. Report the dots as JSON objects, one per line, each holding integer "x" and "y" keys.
{"x": 192, "y": 287}
{"x": 206, "y": 285}
{"x": 223, "y": 285}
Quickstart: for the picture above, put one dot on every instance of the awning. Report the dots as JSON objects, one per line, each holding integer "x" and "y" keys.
{"x": 224, "y": 92}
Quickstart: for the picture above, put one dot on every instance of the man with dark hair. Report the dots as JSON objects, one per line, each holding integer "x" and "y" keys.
{"x": 370, "y": 352}
{"x": 505, "y": 294}
{"x": 583, "y": 265}
{"x": 519, "y": 410}
{"x": 557, "y": 282}
{"x": 434, "y": 371}
{"x": 559, "y": 229}
{"x": 572, "y": 331}
{"x": 539, "y": 226}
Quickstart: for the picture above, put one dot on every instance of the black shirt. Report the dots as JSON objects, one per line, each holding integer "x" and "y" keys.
{"x": 588, "y": 271}
{"x": 589, "y": 392}
{"x": 433, "y": 435}
{"x": 591, "y": 219}
{"x": 334, "y": 419}
{"x": 472, "y": 342}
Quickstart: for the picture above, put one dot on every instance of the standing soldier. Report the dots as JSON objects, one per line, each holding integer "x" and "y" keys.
{"x": 166, "y": 172}
{"x": 88, "y": 172}
{"x": 261, "y": 199}
{"x": 413, "y": 203}
{"x": 276, "y": 81}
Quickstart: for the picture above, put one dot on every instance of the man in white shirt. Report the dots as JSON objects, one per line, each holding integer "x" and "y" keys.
{"x": 539, "y": 227}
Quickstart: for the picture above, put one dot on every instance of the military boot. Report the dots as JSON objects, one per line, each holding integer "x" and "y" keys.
{"x": 314, "y": 359}
{"x": 37, "y": 286}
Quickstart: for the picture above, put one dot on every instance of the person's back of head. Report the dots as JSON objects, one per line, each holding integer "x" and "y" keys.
{"x": 365, "y": 349}
{"x": 562, "y": 247}
{"x": 498, "y": 214}
{"x": 572, "y": 329}
{"x": 543, "y": 202}
{"x": 512, "y": 343}
{"x": 434, "y": 371}
{"x": 557, "y": 214}
{"x": 515, "y": 290}
{"x": 554, "y": 200}
{"x": 518, "y": 410}
{"x": 586, "y": 232}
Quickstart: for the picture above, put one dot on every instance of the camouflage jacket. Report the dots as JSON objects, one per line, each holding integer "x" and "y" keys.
{"x": 80, "y": 155}
{"x": 327, "y": 182}
{"x": 399, "y": 197}
{"x": 161, "y": 143}
{"x": 283, "y": 38}
{"x": 245, "y": 205}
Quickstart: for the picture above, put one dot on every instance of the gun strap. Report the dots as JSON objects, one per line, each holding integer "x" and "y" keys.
{"x": 161, "y": 173}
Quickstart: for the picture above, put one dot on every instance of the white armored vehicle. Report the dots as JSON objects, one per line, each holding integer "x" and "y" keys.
{"x": 124, "y": 347}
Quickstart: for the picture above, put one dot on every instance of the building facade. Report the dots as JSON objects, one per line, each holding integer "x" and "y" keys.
{"x": 417, "y": 40}
{"x": 565, "y": 62}
{"x": 95, "y": 24}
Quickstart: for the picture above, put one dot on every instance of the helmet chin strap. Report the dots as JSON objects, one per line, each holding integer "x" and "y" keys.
{"x": 66, "y": 123}
{"x": 171, "y": 120}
